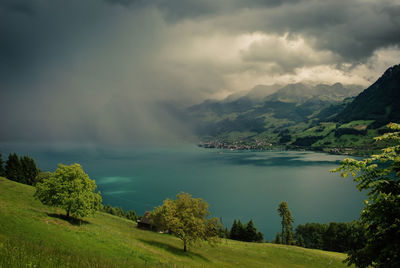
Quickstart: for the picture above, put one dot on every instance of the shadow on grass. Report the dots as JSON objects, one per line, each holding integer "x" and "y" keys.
{"x": 174, "y": 250}
{"x": 71, "y": 220}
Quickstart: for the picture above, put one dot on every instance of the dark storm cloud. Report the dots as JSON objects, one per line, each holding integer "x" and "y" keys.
{"x": 352, "y": 29}
{"x": 175, "y": 10}
{"x": 98, "y": 69}
{"x": 18, "y": 6}
{"x": 34, "y": 32}
{"x": 12, "y": 36}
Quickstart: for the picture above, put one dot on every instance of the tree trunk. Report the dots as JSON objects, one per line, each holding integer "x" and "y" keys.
{"x": 68, "y": 213}
{"x": 184, "y": 246}
{"x": 282, "y": 238}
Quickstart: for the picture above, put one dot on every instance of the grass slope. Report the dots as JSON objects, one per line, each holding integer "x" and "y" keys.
{"x": 33, "y": 235}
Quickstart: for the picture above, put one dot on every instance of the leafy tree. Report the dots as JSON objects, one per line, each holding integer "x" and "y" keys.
{"x": 357, "y": 237}
{"x": 2, "y": 171}
{"x": 340, "y": 237}
{"x": 380, "y": 176}
{"x": 287, "y": 220}
{"x": 14, "y": 168}
{"x": 313, "y": 234}
{"x": 336, "y": 237}
{"x": 300, "y": 241}
{"x": 41, "y": 176}
{"x": 186, "y": 218}
{"x": 70, "y": 188}
{"x": 29, "y": 170}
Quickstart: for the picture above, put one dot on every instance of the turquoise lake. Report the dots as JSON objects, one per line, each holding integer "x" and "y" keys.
{"x": 237, "y": 184}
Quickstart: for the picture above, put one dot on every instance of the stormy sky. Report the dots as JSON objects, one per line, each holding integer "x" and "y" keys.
{"x": 103, "y": 71}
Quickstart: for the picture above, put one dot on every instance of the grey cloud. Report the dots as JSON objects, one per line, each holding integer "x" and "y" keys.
{"x": 283, "y": 56}
{"x": 352, "y": 29}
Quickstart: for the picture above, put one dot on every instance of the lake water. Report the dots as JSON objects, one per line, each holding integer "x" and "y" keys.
{"x": 237, "y": 184}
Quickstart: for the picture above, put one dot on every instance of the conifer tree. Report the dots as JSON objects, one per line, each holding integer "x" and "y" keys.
{"x": 234, "y": 233}
{"x": 287, "y": 220}
{"x": 14, "y": 168}
{"x": 2, "y": 172}
{"x": 29, "y": 170}
{"x": 259, "y": 237}
{"x": 241, "y": 231}
{"x": 251, "y": 232}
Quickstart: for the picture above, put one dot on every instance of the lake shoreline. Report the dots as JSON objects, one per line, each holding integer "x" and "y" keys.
{"x": 348, "y": 151}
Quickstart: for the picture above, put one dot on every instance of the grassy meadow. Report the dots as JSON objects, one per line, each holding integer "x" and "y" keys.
{"x": 34, "y": 235}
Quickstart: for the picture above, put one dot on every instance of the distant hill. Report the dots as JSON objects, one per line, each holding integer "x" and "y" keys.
{"x": 379, "y": 102}
{"x": 290, "y": 104}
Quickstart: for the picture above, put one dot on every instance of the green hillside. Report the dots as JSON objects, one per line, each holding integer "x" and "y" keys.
{"x": 378, "y": 102}
{"x": 33, "y": 235}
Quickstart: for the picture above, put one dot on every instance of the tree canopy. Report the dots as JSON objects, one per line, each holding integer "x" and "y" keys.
{"x": 70, "y": 188}
{"x": 186, "y": 218}
{"x": 379, "y": 175}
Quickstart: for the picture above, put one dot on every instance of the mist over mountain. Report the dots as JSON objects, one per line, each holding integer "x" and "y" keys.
{"x": 293, "y": 102}
{"x": 256, "y": 94}
{"x": 300, "y": 92}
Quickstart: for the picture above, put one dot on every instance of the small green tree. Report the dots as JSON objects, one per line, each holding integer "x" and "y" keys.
{"x": 70, "y": 188}
{"x": 287, "y": 220}
{"x": 186, "y": 218}
{"x": 380, "y": 176}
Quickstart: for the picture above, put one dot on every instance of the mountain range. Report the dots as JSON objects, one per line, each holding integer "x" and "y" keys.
{"x": 336, "y": 118}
